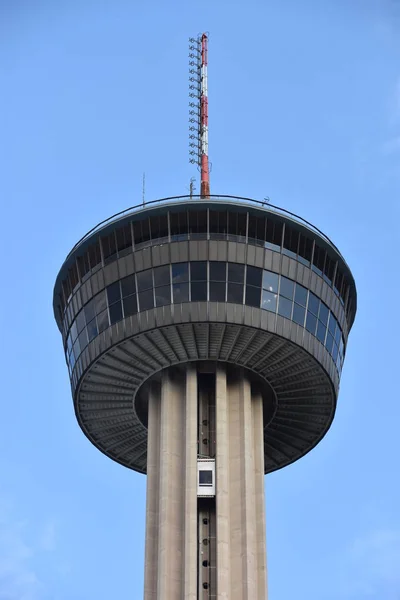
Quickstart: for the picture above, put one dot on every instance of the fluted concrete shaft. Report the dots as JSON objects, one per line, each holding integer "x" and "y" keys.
{"x": 172, "y": 509}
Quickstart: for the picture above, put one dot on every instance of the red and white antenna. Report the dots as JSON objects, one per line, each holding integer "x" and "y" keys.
{"x": 198, "y": 113}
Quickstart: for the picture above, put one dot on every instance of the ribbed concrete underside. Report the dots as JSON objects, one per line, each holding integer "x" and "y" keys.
{"x": 305, "y": 399}
{"x": 175, "y": 541}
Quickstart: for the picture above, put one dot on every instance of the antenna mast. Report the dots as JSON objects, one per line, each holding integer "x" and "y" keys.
{"x": 198, "y": 91}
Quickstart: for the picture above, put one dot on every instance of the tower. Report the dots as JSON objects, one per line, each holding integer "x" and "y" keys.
{"x": 204, "y": 338}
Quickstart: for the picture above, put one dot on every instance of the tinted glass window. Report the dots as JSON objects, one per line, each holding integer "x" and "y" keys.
{"x": 100, "y": 302}
{"x": 217, "y": 271}
{"x": 254, "y": 276}
{"x": 298, "y": 314}
{"x": 181, "y": 292}
{"x": 163, "y": 295}
{"x": 300, "y": 295}
{"x": 80, "y": 321}
{"x": 83, "y": 340}
{"x": 144, "y": 280}
{"x": 270, "y": 281}
{"x": 124, "y": 239}
{"x": 218, "y": 222}
{"x": 323, "y": 313}
{"x": 102, "y": 321}
{"x": 89, "y": 311}
{"x": 161, "y": 276}
{"x": 318, "y": 260}
{"x": 285, "y": 307}
{"x": 217, "y": 291}
{"x": 199, "y": 291}
{"x": 235, "y": 273}
{"x": 268, "y": 301}
{"x": 74, "y": 331}
{"x": 235, "y": 293}
{"x": 253, "y": 296}
{"x": 329, "y": 342}
{"x": 290, "y": 242}
{"x": 130, "y": 305}
{"x": 109, "y": 245}
{"x": 115, "y": 312}
{"x": 321, "y": 331}
{"x": 273, "y": 236}
{"x": 128, "y": 286}
{"x": 311, "y": 322}
{"x": 179, "y": 224}
{"x": 305, "y": 250}
{"x": 287, "y": 288}
{"x": 198, "y": 271}
{"x": 332, "y": 324}
{"x": 256, "y": 228}
{"x": 313, "y": 303}
{"x": 113, "y": 293}
{"x": 180, "y": 272}
{"x": 146, "y": 300}
{"x": 92, "y": 330}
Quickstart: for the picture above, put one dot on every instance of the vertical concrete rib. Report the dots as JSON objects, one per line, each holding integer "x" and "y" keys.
{"x": 247, "y": 492}
{"x": 171, "y": 514}
{"x": 190, "y": 509}
{"x": 258, "y": 440}
{"x": 152, "y": 494}
{"x": 222, "y": 486}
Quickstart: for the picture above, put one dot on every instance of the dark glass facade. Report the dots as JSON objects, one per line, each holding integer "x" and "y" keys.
{"x": 201, "y": 281}
{"x": 266, "y": 231}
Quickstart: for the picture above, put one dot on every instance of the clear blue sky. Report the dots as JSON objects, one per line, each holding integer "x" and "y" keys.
{"x": 304, "y": 107}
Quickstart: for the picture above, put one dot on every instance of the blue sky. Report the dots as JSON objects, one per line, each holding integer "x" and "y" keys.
{"x": 305, "y": 108}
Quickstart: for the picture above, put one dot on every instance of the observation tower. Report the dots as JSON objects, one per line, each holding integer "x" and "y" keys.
{"x": 204, "y": 338}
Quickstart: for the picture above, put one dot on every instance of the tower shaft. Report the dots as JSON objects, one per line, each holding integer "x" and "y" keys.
{"x": 197, "y": 546}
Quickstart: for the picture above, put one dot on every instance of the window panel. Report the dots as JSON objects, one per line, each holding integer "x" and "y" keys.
{"x": 109, "y": 245}
{"x": 217, "y": 291}
{"x": 124, "y": 239}
{"x": 198, "y": 271}
{"x": 254, "y": 276}
{"x": 235, "y": 273}
{"x": 268, "y": 301}
{"x": 162, "y": 276}
{"x": 257, "y": 228}
{"x": 89, "y": 311}
{"x": 338, "y": 334}
{"x": 80, "y": 321}
{"x": 287, "y": 288}
{"x": 179, "y": 224}
{"x": 199, "y": 291}
{"x": 73, "y": 276}
{"x": 83, "y": 340}
{"x": 270, "y": 281}
{"x": 335, "y": 351}
{"x": 163, "y": 295}
{"x": 180, "y": 272}
{"x": 311, "y": 322}
{"x": 128, "y": 286}
{"x": 92, "y": 330}
{"x": 102, "y": 321}
{"x": 298, "y": 314}
{"x": 100, "y": 303}
{"x": 323, "y": 313}
{"x": 115, "y": 312}
{"x": 290, "y": 242}
{"x": 144, "y": 280}
{"x": 74, "y": 331}
{"x": 332, "y": 324}
{"x": 113, "y": 293}
{"x": 285, "y": 307}
{"x": 217, "y": 271}
{"x": 300, "y": 295}
{"x": 313, "y": 303}
{"x": 235, "y": 293}
{"x": 321, "y": 331}
{"x": 159, "y": 226}
{"x": 274, "y": 232}
{"x": 318, "y": 260}
{"x": 94, "y": 254}
{"x": 253, "y": 296}
{"x": 146, "y": 300}
{"x": 76, "y": 349}
{"x": 181, "y": 292}
{"x": 329, "y": 269}
{"x": 197, "y": 222}
{"x": 305, "y": 250}
{"x": 218, "y": 223}
{"x": 130, "y": 305}
{"x": 329, "y": 342}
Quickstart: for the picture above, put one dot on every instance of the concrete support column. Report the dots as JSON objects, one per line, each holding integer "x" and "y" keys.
{"x": 171, "y": 514}
{"x": 222, "y": 466}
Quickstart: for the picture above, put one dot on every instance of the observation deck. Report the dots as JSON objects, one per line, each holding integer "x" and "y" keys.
{"x": 187, "y": 280}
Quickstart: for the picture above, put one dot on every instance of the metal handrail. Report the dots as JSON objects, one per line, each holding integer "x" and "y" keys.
{"x": 135, "y": 208}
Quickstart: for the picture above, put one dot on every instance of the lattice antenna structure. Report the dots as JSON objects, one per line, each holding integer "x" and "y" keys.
{"x": 198, "y": 109}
